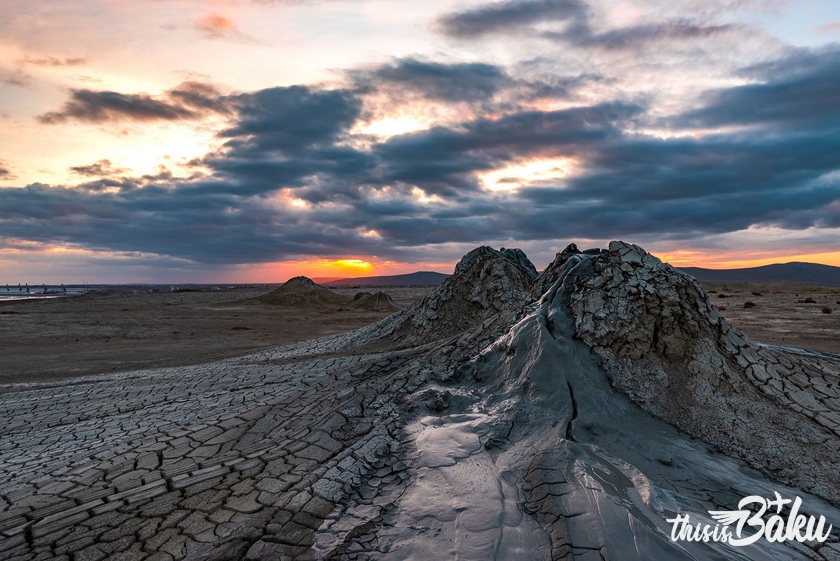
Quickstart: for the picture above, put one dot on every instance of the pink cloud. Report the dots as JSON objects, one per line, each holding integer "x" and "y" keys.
{"x": 53, "y": 61}
{"x": 833, "y": 27}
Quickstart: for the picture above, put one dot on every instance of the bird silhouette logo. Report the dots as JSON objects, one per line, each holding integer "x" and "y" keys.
{"x": 747, "y": 525}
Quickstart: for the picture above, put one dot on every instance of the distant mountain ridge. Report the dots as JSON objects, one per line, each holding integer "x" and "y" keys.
{"x": 811, "y": 273}
{"x": 420, "y": 278}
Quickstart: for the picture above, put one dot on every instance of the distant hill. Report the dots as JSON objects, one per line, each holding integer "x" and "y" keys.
{"x": 811, "y": 273}
{"x": 420, "y": 278}
{"x": 379, "y": 302}
{"x": 302, "y": 292}
{"x": 324, "y": 280}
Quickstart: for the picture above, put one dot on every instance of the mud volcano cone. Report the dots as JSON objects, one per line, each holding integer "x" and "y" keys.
{"x": 378, "y": 302}
{"x": 302, "y": 292}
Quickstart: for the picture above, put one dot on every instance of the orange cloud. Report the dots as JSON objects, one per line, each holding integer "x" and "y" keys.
{"x": 6, "y": 172}
{"x": 215, "y": 26}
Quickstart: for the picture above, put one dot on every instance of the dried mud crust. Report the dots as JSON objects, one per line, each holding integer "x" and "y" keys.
{"x": 520, "y": 432}
{"x": 232, "y": 460}
{"x": 664, "y": 343}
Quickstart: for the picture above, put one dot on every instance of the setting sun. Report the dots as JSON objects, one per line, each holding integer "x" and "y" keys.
{"x": 354, "y": 265}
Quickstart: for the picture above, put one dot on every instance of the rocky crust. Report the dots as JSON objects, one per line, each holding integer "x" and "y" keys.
{"x": 486, "y": 283}
{"x": 664, "y": 344}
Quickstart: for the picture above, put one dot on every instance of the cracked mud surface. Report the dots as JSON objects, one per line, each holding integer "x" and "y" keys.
{"x": 526, "y": 434}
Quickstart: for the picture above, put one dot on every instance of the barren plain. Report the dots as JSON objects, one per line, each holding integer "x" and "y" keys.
{"x": 782, "y": 313}
{"x": 115, "y": 331}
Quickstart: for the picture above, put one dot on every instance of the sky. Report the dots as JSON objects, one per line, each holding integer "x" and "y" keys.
{"x": 214, "y": 141}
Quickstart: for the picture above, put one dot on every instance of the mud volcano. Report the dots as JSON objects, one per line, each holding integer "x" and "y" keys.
{"x": 507, "y": 415}
{"x": 302, "y": 292}
{"x": 374, "y": 302}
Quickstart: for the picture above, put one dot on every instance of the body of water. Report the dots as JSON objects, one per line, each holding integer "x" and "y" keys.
{"x": 21, "y": 292}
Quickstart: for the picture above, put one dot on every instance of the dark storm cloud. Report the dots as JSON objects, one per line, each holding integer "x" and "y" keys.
{"x": 517, "y": 16}
{"x": 102, "y": 168}
{"x": 636, "y": 35}
{"x": 95, "y": 107}
{"x": 5, "y": 172}
{"x": 197, "y": 224}
{"x": 447, "y": 82}
{"x": 480, "y": 84}
{"x": 190, "y": 100}
{"x": 685, "y": 187}
{"x": 292, "y": 119}
{"x": 504, "y": 16}
{"x": 443, "y": 161}
{"x": 800, "y": 90}
{"x": 558, "y": 87}
{"x": 796, "y": 62}
{"x": 294, "y": 144}
{"x": 287, "y": 137}
{"x": 200, "y": 97}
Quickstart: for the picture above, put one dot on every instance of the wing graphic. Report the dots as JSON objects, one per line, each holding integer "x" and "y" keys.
{"x": 728, "y": 517}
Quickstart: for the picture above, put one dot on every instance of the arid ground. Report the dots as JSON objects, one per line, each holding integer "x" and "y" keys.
{"x": 782, "y": 313}
{"x": 117, "y": 331}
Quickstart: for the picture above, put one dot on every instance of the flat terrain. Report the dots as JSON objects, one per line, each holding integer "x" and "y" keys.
{"x": 115, "y": 331}
{"x": 782, "y": 314}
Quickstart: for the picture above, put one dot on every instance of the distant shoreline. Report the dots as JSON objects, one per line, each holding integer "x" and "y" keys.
{"x": 19, "y": 297}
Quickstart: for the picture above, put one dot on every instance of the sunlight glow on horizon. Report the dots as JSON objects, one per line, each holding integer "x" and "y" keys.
{"x": 737, "y": 259}
{"x": 54, "y": 264}
{"x": 357, "y": 265}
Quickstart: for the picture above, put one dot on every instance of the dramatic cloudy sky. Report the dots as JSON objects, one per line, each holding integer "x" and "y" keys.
{"x": 251, "y": 140}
